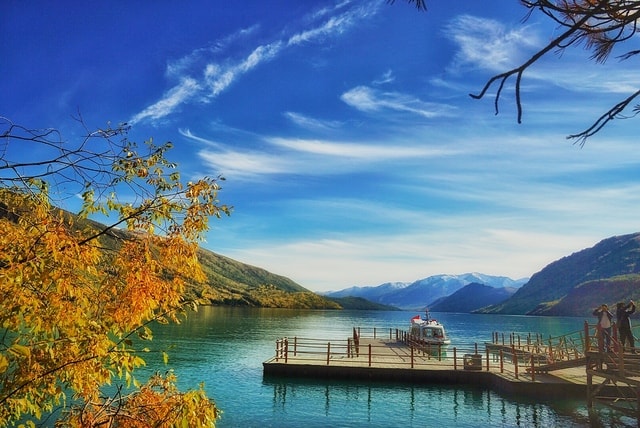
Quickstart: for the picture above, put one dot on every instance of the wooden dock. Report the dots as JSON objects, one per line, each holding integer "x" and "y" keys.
{"x": 392, "y": 360}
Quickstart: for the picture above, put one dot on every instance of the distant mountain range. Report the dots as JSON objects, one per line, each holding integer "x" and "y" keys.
{"x": 608, "y": 272}
{"x": 574, "y": 285}
{"x": 424, "y": 292}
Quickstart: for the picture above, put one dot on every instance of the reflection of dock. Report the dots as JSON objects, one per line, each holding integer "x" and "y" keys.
{"x": 565, "y": 366}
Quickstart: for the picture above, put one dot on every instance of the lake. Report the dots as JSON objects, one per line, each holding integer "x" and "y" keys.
{"x": 224, "y": 348}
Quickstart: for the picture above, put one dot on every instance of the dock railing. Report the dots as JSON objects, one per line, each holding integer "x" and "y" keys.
{"x": 394, "y": 348}
{"x": 517, "y": 354}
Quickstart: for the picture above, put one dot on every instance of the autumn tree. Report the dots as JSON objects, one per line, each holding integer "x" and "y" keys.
{"x": 78, "y": 295}
{"x": 599, "y": 25}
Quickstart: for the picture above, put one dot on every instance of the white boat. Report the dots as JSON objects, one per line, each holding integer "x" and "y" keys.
{"x": 428, "y": 330}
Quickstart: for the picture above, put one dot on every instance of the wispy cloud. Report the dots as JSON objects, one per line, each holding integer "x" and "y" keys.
{"x": 215, "y": 77}
{"x": 371, "y": 100}
{"x": 488, "y": 44}
{"x": 311, "y": 123}
{"x": 368, "y": 151}
{"x": 176, "y": 96}
{"x": 307, "y": 157}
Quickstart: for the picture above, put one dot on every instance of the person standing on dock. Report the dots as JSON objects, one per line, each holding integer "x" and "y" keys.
{"x": 604, "y": 324}
{"x": 624, "y": 324}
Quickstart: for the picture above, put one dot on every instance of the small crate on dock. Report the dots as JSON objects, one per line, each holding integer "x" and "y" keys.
{"x": 472, "y": 362}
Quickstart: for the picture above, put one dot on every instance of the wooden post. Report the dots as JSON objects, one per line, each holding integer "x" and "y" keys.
{"x": 476, "y": 347}
{"x": 328, "y": 352}
{"x": 411, "y": 357}
{"x": 286, "y": 350}
{"x": 374, "y": 332}
{"x": 515, "y": 360}
{"x": 369, "y": 355}
{"x": 348, "y": 347}
{"x": 587, "y": 339}
{"x": 455, "y": 360}
{"x": 533, "y": 373}
{"x": 295, "y": 346}
{"x": 487, "y": 352}
{"x": 501, "y": 361}
{"x": 503, "y": 339}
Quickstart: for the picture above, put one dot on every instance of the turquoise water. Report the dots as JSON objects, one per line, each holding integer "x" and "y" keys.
{"x": 225, "y": 348}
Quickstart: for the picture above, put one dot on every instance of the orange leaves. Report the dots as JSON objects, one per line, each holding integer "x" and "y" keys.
{"x": 75, "y": 292}
{"x": 157, "y": 403}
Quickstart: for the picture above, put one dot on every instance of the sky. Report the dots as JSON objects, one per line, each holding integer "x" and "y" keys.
{"x": 352, "y": 152}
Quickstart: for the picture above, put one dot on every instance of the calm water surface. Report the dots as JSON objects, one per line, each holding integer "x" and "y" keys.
{"x": 225, "y": 348}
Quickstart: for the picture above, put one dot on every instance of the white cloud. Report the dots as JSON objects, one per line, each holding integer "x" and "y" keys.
{"x": 368, "y": 151}
{"x": 488, "y": 44}
{"x": 217, "y": 77}
{"x": 370, "y": 100}
{"x": 177, "y": 95}
{"x": 312, "y": 123}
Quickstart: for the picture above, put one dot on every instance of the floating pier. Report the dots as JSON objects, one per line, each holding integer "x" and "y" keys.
{"x": 526, "y": 365}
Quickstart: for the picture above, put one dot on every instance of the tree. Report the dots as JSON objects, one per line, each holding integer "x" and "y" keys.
{"x": 600, "y": 25}
{"x": 78, "y": 296}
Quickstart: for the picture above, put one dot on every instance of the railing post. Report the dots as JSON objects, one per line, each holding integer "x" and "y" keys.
{"x": 374, "y": 332}
{"x": 411, "y": 357}
{"x": 533, "y": 372}
{"x": 501, "y": 361}
{"x": 286, "y": 350}
{"x": 295, "y": 346}
{"x": 348, "y": 347}
{"x": 328, "y": 351}
{"x": 587, "y": 339}
{"x": 514, "y": 359}
{"x": 455, "y": 360}
{"x": 487, "y": 352}
{"x": 369, "y": 355}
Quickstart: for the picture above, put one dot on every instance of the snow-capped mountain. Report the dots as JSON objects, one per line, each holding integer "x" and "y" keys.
{"x": 421, "y": 293}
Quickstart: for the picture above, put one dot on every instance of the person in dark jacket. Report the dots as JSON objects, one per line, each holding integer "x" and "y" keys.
{"x": 604, "y": 324}
{"x": 624, "y": 325}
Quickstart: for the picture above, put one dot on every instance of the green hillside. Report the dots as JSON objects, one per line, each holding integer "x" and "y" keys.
{"x": 583, "y": 280}
{"x": 230, "y": 282}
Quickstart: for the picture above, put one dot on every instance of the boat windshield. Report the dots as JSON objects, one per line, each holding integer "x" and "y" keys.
{"x": 430, "y": 332}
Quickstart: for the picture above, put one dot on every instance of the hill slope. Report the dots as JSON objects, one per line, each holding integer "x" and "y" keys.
{"x": 472, "y": 297}
{"x": 561, "y": 280}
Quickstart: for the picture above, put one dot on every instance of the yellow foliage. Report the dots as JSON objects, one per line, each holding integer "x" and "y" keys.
{"x": 72, "y": 299}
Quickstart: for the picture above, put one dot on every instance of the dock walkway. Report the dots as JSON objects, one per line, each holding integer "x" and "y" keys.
{"x": 392, "y": 360}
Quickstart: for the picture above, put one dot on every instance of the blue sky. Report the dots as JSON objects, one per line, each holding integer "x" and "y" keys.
{"x": 352, "y": 152}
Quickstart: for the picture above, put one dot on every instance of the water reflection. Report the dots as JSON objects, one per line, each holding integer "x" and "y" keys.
{"x": 429, "y": 405}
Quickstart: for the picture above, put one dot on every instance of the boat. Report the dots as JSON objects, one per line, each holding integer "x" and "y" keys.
{"x": 428, "y": 330}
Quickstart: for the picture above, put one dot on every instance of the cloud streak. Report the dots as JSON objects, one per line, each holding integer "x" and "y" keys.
{"x": 371, "y": 100}
{"x": 215, "y": 77}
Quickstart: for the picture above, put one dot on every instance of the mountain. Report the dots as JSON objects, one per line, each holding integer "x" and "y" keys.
{"x": 422, "y": 293}
{"x": 472, "y": 297}
{"x": 603, "y": 273}
{"x": 358, "y": 303}
{"x": 229, "y": 282}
